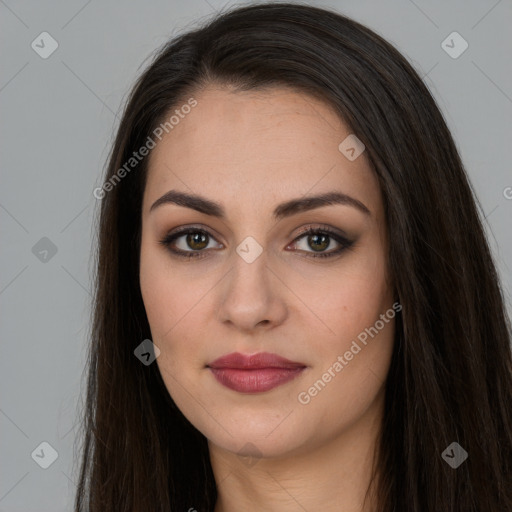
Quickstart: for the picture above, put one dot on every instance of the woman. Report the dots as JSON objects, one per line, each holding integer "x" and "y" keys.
{"x": 296, "y": 306}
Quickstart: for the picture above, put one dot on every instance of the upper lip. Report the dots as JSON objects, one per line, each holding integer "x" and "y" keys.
{"x": 261, "y": 360}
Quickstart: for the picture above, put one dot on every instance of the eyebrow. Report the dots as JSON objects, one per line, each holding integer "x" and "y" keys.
{"x": 286, "y": 209}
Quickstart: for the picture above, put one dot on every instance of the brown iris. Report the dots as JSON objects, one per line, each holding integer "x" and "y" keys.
{"x": 197, "y": 240}
{"x": 314, "y": 240}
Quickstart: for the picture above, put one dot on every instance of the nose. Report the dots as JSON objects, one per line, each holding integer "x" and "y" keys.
{"x": 252, "y": 296}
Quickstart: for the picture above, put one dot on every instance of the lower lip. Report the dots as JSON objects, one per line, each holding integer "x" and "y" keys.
{"x": 255, "y": 381}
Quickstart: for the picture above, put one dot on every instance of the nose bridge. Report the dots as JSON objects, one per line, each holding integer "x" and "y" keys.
{"x": 251, "y": 293}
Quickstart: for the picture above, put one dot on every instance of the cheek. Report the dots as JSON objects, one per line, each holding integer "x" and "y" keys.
{"x": 347, "y": 324}
{"x": 165, "y": 293}
{"x": 164, "y": 306}
{"x": 156, "y": 289}
{"x": 342, "y": 301}
{"x": 350, "y": 372}
{"x": 174, "y": 300}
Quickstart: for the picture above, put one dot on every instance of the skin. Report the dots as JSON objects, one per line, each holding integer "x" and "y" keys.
{"x": 250, "y": 151}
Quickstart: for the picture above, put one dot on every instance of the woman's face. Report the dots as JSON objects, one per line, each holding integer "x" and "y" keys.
{"x": 253, "y": 282}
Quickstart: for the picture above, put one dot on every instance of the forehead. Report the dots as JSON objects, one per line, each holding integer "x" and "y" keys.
{"x": 255, "y": 145}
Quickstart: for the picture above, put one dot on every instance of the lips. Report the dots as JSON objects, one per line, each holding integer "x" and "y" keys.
{"x": 255, "y": 361}
{"x": 254, "y": 373}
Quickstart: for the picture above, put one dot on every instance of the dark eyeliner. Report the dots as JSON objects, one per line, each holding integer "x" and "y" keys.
{"x": 169, "y": 238}
{"x": 325, "y": 230}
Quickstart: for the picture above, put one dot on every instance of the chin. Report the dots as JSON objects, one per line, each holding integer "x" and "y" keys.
{"x": 262, "y": 438}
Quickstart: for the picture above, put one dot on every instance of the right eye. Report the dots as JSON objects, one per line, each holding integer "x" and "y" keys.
{"x": 193, "y": 238}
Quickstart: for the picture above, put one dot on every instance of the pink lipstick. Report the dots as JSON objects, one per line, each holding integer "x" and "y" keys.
{"x": 254, "y": 373}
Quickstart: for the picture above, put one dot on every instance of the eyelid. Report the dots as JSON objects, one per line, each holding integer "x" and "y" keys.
{"x": 323, "y": 227}
{"x": 183, "y": 230}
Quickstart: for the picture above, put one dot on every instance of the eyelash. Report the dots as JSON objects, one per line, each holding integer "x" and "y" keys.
{"x": 324, "y": 230}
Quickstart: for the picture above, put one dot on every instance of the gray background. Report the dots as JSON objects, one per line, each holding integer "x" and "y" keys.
{"x": 59, "y": 115}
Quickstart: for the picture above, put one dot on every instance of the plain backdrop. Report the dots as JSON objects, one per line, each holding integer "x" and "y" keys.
{"x": 59, "y": 115}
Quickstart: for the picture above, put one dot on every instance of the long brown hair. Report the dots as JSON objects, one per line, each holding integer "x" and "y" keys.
{"x": 451, "y": 373}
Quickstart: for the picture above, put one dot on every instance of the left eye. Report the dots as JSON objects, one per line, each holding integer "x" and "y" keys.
{"x": 318, "y": 241}
{"x": 197, "y": 240}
